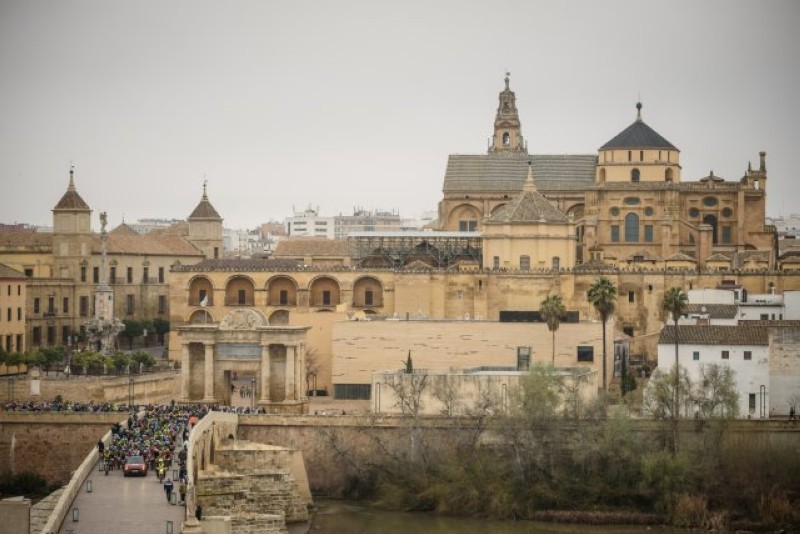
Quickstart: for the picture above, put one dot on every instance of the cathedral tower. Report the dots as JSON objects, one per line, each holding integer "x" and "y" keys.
{"x": 507, "y": 128}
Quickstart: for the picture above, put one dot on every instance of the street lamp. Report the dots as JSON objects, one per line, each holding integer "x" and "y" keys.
{"x": 130, "y": 394}
{"x": 253, "y": 392}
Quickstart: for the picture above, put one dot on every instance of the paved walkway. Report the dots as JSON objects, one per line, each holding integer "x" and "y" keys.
{"x": 123, "y": 505}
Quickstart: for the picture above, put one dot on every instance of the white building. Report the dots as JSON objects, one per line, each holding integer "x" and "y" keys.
{"x": 310, "y": 223}
{"x": 744, "y": 349}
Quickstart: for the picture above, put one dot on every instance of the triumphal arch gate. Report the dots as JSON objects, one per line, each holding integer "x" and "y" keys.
{"x": 244, "y": 349}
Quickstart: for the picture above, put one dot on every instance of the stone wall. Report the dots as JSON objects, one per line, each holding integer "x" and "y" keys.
{"x": 784, "y": 371}
{"x": 50, "y": 445}
{"x": 148, "y": 388}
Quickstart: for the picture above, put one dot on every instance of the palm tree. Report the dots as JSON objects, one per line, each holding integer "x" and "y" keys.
{"x": 603, "y": 296}
{"x": 552, "y": 309}
{"x": 674, "y": 303}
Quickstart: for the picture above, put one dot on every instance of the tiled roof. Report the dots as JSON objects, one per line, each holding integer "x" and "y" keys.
{"x": 71, "y": 199}
{"x": 528, "y": 207}
{"x": 714, "y": 311}
{"x": 638, "y": 135}
{"x": 240, "y": 265}
{"x": 680, "y": 256}
{"x": 294, "y": 247}
{"x": 26, "y": 239}
{"x": 8, "y": 272}
{"x": 205, "y": 210}
{"x": 793, "y": 324}
{"x": 506, "y": 172}
{"x": 123, "y": 229}
{"x": 156, "y": 245}
{"x": 178, "y": 228}
{"x": 715, "y": 335}
{"x": 718, "y": 257}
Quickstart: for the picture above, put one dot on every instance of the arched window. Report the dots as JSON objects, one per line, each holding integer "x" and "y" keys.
{"x": 635, "y": 175}
{"x": 602, "y": 175}
{"x": 668, "y": 175}
{"x": 506, "y": 139}
{"x": 631, "y": 228}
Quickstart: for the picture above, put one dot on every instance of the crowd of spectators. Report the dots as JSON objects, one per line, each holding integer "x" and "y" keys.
{"x": 65, "y": 406}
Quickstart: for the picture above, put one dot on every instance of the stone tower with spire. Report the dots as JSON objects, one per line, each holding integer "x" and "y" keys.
{"x": 205, "y": 227}
{"x": 507, "y": 128}
{"x": 72, "y": 232}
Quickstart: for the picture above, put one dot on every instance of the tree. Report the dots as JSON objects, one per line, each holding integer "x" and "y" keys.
{"x": 715, "y": 393}
{"x": 312, "y": 368}
{"x": 120, "y": 361}
{"x": 132, "y": 329}
{"x": 603, "y": 296}
{"x": 674, "y": 303}
{"x": 142, "y": 359}
{"x": 161, "y": 327}
{"x": 552, "y": 309}
{"x": 409, "y": 365}
{"x": 48, "y": 357}
{"x": 659, "y": 396}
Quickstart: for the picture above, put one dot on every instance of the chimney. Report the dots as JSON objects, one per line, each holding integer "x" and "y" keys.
{"x": 763, "y": 157}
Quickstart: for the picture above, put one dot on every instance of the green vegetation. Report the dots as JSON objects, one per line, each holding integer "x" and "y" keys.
{"x": 552, "y": 310}
{"x": 541, "y": 453}
{"x": 603, "y": 296}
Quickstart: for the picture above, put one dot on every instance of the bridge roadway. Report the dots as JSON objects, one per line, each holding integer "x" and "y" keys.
{"x": 123, "y": 505}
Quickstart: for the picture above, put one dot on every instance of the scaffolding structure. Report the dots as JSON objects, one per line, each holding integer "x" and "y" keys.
{"x": 398, "y": 250}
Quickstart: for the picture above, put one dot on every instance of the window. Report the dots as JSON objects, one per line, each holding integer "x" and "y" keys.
{"x": 523, "y": 358}
{"x": 631, "y": 296}
{"x": 216, "y": 252}
{"x": 96, "y": 275}
{"x": 8, "y": 315}
{"x": 694, "y": 212}
{"x": 326, "y": 298}
{"x": 467, "y": 226}
{"x": 555, "y": 263}
{"x": 130, "y": 275}
{"x": 748, "y": 355}
{"x": 368, "y": 298}
{"x": 727, "y": 212}
{"x": 631, "y": 228}
{"x": 632, "y": 201}
{"x": 129, "y": 304}
{"x": 585, "y": 353}
{"x": 764, "y": 317}
{"x": 19, "y": 342}
{"x": 649, "y": 211}
{"x": 627, "y": 330}
{"x": 65, "y": 305}
{"x": 506, "y": 139}
{"x": 113, "y": 274}
{"x": 629, "y": 155}
{"x": 37, "y": 336}
{"x": 84, "y": 306}
{"x": 201, "y": 295}
{"x": 29, "y": 273}
{"x": 696, "y": 355}
{"x": 615, "y": 233}
{"x": 283, "y": 297}
{"x": 751, "y": 402}
{"x": 83, "y": 273}
{"x": 145, "y": 274}
{"x": 635, "y": 175}
{"x": 726, "y": 355}
{"x": 19, "y": 314}
{"x": 726, "y": 234}
{"x": 352, "y": 391}
{"x": 51, "y": 305}
{"x": 710, "y": 202}
{"x": 641, "y": 155}
{"x": 160, "y": 275}
{"x": 613, "y": 211}
{"x": 36, "y": 305}
{"x": 51, "y": 335}
{"x": 242, "y": 297}
{"x": 65, "y": 335}
{"x": 525, "y": 263}
{"x": 712, "y": 222}
{"x": 162, "y": 304}
{"x": 496, "y": 262}
{"x": 8, "y": 290}
{"x": 648, "y": 233}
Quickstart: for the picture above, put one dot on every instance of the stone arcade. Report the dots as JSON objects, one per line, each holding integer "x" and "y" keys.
{"x": 244, "y": 345}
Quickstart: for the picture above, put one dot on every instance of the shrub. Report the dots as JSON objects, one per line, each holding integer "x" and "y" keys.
{"x": 775, "y": 508}
{"x": 689, "y": 511}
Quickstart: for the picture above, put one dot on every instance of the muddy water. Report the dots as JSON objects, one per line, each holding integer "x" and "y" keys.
{"x": 337, "y": 517}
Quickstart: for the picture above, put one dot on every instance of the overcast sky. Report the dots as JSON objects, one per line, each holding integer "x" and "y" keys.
{"x": 342, "y": 104}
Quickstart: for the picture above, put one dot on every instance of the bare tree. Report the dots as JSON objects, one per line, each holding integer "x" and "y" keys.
{"x": 312, "y": 369}
{"x": 715, "y": 393}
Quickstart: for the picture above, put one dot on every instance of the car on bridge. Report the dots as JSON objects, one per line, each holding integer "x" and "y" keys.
{"x": 135, "y": 465}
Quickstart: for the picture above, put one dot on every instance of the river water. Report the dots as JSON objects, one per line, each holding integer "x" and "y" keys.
{"x": 338, "y": 517}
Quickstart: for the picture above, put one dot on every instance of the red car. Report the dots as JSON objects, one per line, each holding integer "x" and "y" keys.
{"x": 134, "y": 465}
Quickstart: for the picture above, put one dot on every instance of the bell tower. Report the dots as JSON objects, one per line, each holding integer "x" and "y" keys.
{"x": 507, "y": 128}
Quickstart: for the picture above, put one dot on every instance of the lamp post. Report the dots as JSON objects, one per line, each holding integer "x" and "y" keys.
{"x": 130, "y": 394}
{"x": 11, "y": 389}
{"x": 253, "y": 392}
